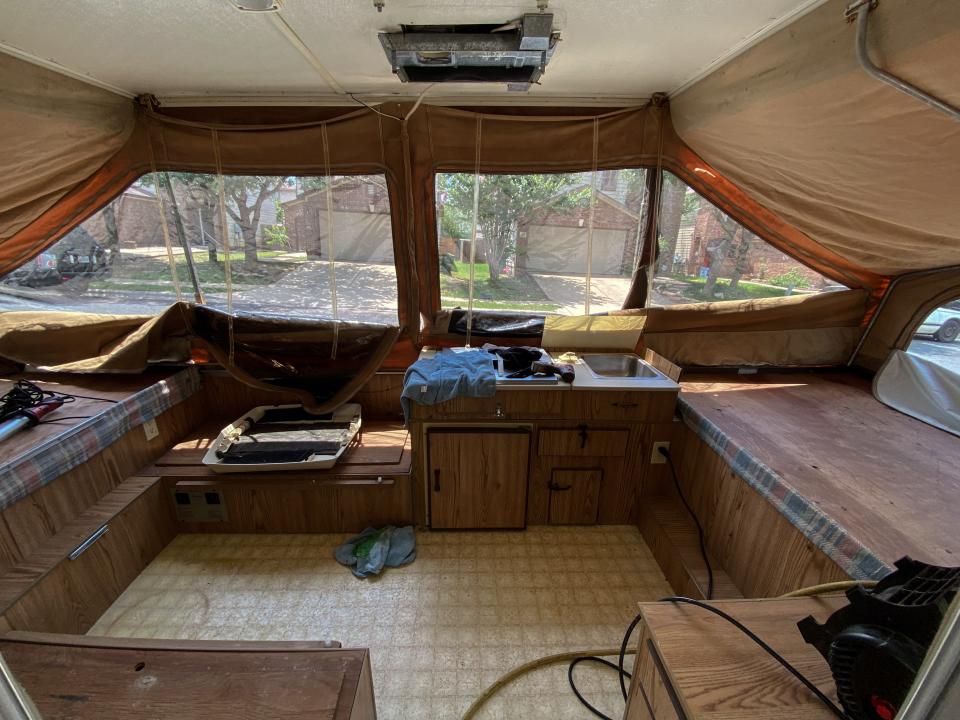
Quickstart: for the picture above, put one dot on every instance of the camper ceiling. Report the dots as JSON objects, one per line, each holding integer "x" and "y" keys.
{"x": 186, "y": 51}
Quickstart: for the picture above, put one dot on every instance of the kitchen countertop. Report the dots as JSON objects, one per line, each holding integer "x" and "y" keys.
{"x": 586, "y": 380}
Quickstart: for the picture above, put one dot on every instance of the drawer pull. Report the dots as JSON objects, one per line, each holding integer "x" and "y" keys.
{"x": 625, "y": 404}
{"x": 558, "y": 488}
{"x": 436, "y": 481}
{"x": 88, "y": 543}
{"x": 583, "y": 436}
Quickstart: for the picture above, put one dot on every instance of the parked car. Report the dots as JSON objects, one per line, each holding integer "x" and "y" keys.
{"x": 77, "y": 255}
{"x": 943, "y": 323}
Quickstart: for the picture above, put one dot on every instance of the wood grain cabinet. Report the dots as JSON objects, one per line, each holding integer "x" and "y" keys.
{"x": 477, "y": 478}
{"x": 580, "y": 476}
{"x": 574, "y": 496}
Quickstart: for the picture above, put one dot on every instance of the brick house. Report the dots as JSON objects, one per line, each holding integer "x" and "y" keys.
{"x": 763, "y": 261}
{"x": 361, "y": 221}
{"x": 554, "y": 240}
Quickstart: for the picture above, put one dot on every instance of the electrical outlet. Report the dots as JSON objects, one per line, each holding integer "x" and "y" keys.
{"x": 150, "y": 429}
{"x": 655, "y": 457}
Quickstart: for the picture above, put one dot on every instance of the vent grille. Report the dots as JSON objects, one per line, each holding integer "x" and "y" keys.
{"x": 516, "y": 52}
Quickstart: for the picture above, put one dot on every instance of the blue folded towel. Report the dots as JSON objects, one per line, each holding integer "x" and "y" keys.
{"x": 448, "y": 375}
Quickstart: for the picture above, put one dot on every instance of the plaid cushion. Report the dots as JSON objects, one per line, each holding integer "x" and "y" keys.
{"x": 853, "y": 557}
{"x": 34, "y": 468}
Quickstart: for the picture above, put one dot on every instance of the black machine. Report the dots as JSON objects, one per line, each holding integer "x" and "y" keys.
{"x": 875, "y": 645}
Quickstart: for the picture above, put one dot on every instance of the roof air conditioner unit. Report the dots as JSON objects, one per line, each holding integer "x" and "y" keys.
{"x": 515, "y": 53}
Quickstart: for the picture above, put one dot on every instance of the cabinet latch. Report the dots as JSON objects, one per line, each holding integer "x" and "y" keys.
{"x": 583, "y": 436}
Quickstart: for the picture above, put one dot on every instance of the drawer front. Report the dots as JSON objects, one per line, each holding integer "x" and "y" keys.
{"x": 508, "y": 405}
{"x": 584, "y": 442}
{"x": 610, "y": 405}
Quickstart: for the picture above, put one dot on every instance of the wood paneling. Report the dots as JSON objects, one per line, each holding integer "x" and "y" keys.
{"x": 71, "y": 596}
{"x": 764, "y": 554}
{"x": 672, "y": 538}
{"x": 506, "y": 404}
{"x": 892, "y": 481}
{"x": 575, "y": 496}
{"x": 23, "y": 576}
{"x": 228, "y": 398}
{"x": 583, "y": 442}
{"x": 212, "y": 680}
{"x": 29, "y": 523}
{"x": 478, "y": 479}
{"x": 618, "y": 405}
{"x": 651, "y": 695}
{"x": 256, "y": 505}
{"x": 621, "y": 474}
{"x": 100, "y": 391}
{"x": 715, "y": 672}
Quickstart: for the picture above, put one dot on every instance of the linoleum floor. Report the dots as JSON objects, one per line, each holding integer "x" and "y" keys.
{"x": 472, "y": 606}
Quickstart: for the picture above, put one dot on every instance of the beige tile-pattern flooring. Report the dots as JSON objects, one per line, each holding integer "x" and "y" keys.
{"x": 472, "y": 606}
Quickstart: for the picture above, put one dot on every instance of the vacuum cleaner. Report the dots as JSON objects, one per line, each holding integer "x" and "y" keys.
{"x": 876, "y": 644}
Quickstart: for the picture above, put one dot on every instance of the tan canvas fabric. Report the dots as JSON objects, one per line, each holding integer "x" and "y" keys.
{"x": 820, "y": 310}
{"x": 81, "y": 342}
{"x": 57, "y": 132}
{"x": 860, "y": 167}
{"x": 911, "y": 299}
{"x": 322, "y": 363}
{"x": 820, "y": 329}
{"x": 805, "y": 330}
{"x": 777, "y": 348}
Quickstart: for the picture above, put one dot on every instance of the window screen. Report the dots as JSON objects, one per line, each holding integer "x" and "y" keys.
{"x": 707, "y": 255}
{"x": 938, "y": 337}
{"x": 534, "y": 251}
{"x": 269, "y": 251}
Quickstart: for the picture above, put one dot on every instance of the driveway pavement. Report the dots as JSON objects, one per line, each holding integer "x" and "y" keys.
{"x": 365, "y": 292}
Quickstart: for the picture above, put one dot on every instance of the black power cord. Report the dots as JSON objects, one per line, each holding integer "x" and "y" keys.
{"x": 573, "y": 686}
{"x": 25, "y": 395}
{"x": 821, "y": 696}
{"x": 830, "y": 705}
{"x": 700, "y": 535}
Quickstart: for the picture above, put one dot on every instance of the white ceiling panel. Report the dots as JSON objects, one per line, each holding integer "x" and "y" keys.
{"x": 609, "y": 49}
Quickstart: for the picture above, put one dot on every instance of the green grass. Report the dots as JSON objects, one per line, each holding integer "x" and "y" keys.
{"x": 744, "y": 291}
{"x": 499, "y": 294}
{"x": 139, "y": 273}
{"x": 461, "y": 302}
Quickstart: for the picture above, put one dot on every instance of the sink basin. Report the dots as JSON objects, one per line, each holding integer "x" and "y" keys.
{"x": 618, "y": 365}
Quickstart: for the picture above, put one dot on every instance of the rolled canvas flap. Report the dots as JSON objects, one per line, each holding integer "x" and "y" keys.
{"x": 57, "y": 132}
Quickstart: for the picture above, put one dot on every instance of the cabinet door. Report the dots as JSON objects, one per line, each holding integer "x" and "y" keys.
{"x": 575, "y": 496}
{"x": 478, "y": 479}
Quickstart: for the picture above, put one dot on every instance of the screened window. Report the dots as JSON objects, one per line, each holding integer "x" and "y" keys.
{"x": 560, "y": 243}
{"x": 275, "y": 248}
{"x": 707, "y": 255}
{"x": 938, "y": 337}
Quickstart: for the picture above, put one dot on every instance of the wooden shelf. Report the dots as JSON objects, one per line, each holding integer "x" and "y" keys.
{"x": 694, "y": 665}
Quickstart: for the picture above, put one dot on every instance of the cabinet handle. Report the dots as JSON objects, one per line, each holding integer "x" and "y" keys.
{"x": 88, "y": 543}
{"x": 625, "y": 404}
{"x": 583, "y": 436}
{"x": 436, "y": 480}
{"x": 558, "y": 488}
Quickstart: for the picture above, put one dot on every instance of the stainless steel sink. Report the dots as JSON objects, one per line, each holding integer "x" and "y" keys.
{"x": 618, "y": 365}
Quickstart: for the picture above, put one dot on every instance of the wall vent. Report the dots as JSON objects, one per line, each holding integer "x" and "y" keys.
{"x": 516, "y": 53}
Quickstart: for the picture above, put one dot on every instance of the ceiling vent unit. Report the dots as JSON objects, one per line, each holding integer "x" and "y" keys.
{"x": 516, "y": 53}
